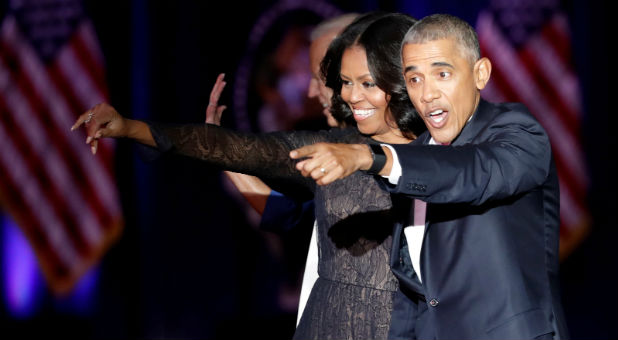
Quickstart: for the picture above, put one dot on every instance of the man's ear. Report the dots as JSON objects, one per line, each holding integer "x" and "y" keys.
{"x": 482, "y": 72}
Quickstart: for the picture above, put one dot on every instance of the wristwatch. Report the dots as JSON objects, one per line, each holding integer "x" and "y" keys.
{"x": 379, "y": 159}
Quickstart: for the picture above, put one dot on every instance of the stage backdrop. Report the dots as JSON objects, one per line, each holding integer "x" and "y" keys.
{"x": 117, "y": 246}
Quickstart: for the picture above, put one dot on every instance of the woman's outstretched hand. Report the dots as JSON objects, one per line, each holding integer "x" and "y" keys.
{"x": 102, "y": 120}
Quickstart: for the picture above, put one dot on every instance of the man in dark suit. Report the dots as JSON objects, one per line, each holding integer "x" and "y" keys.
{"x": 480, "y": 258}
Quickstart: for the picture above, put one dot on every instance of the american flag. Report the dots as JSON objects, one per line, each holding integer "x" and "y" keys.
{"x": 64, "y": 199}
{"x": 528, "y": 43}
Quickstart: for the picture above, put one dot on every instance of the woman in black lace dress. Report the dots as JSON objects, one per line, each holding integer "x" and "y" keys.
{"x": 352, "y": 299}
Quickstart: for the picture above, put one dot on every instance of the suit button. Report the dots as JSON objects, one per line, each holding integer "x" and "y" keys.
{"x": 433, "y": 302}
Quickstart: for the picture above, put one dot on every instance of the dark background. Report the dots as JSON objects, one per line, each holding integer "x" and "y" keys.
{"x": 191, "y": 263}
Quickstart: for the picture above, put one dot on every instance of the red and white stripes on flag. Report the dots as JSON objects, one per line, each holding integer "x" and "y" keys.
{"x": 64, "y": 199}
{"x": 532, "y": 64}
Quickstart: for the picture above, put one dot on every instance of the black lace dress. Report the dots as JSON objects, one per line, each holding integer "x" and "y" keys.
{"x": 352, "y": 299}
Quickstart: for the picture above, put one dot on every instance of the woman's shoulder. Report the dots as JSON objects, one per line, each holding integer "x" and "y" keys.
{"x": 347, "y": 135}
{"x": 299, "y": 138}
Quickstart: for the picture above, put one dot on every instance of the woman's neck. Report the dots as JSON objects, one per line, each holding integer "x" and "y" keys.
{"x": 391, "y": 134}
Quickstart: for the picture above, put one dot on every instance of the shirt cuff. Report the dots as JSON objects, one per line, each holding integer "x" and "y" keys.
{"x": 393, "y": 177}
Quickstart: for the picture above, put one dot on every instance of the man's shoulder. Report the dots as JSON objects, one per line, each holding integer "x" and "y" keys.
{"x": 507, "y": 118}
{"x": 507, "y": 111}
{"x": 502, "y": 107}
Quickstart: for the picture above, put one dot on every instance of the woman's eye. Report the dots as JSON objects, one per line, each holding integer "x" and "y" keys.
{"x": 369, "y": 84}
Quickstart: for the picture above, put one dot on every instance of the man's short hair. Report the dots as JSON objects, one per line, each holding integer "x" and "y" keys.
{"x": 338, "y": 22}
{"x": 445, "y": 26}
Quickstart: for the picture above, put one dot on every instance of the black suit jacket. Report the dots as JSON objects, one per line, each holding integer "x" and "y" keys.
{"x": 489, "y": 260}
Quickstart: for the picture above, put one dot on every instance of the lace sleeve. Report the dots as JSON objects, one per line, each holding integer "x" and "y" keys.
{"x": 263, "y": 155}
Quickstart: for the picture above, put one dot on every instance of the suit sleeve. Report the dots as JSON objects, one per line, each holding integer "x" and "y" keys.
{"x": 282, "y": 213}
{"x": 511, "y": 155}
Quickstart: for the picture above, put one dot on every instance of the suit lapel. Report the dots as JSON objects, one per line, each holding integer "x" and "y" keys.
{"x": 479, "y": 120}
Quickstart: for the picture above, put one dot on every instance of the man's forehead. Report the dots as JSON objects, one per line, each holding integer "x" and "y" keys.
{"x": 436, "y": 53}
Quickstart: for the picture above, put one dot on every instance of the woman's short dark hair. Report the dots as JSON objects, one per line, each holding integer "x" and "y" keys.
{"x": 380, "y": 34}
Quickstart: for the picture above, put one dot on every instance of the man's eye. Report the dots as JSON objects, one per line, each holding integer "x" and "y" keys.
{"x": 444, "y": 74}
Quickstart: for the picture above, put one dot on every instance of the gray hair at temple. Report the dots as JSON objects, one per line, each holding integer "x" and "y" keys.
{"x": 339, "y": 22}
{"x": 445, "y": 26}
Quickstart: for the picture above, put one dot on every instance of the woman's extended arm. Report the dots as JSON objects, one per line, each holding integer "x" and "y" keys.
{"x": 103, "y": 120}
{"x": 263, "y": 155}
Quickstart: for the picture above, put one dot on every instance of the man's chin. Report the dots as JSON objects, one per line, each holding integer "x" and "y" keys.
{"x": 440, "y": 137}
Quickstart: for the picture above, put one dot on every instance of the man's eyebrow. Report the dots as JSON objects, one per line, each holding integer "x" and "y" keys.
{"x": 435, "y": 64}
{"x": 409, "y": 68}
{"x": 442, "y": 64}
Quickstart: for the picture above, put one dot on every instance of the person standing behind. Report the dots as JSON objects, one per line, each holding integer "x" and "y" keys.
{"x": 484, "y": 262}
{"x": 280, "y": 213}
